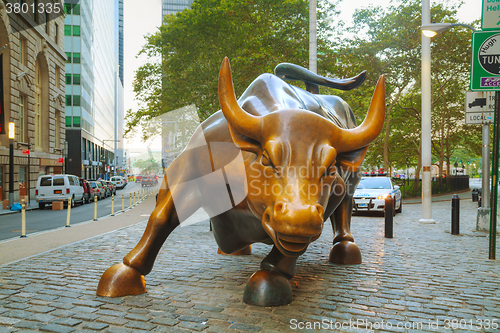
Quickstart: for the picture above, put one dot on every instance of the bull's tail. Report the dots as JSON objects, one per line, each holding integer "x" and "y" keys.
{"x": 292, "y": 72}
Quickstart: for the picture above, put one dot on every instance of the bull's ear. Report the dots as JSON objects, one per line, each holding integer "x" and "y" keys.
{"x": 352, "y": 160}
{"x": 244, "y": 142}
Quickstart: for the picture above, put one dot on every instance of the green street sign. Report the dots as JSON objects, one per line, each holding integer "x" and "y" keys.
{"x": 490, "y": 18}
{"x": 485, "y": 61}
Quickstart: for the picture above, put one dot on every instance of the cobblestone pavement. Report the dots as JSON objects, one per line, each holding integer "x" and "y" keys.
{"x": 424, "y": 278}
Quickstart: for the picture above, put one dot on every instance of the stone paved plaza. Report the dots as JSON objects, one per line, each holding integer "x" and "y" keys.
{"x": 424, "y": 279}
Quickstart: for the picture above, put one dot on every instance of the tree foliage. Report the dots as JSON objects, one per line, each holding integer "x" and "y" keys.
{"x": 186, "y": 53}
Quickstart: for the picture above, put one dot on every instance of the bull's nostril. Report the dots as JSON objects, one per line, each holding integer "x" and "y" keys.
{"x": 279, "y": 208}
{"x": 266, "y": 218}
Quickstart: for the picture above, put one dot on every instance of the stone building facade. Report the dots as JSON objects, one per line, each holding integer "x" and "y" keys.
{"x": 32, "y": 94}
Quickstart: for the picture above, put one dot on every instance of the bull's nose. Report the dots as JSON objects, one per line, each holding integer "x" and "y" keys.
{"x": 298, "y": 220}
{"x": 282, "y": 209}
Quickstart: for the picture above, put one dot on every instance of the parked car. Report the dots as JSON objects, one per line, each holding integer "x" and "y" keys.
{"x": 50, "y": 188}
{"x": 118, "y": 181}
{"x": 106, "y": 188}
{"x": 149, "y": 180}
{"x": 371, "y": 193}
{"x": 111, "y": 186}
{"x": 99, "y": 191}
{"x": 88, "y": 191}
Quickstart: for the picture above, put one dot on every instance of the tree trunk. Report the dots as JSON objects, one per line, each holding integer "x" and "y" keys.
{"x": 388, "y": 129}
{"x": 417, "y": 171}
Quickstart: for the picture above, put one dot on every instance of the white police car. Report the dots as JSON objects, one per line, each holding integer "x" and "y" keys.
{"x": 371, "y": 193}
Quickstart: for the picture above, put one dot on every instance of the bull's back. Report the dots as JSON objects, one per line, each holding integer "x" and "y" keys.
{"x": 268, "y": 93}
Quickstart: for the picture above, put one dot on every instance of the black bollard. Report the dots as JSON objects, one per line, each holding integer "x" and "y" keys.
{"x": 389, "y": 214}
{"x": 455, "y": 215}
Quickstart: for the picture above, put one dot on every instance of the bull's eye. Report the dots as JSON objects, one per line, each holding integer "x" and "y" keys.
{"x": 266, "y": 161}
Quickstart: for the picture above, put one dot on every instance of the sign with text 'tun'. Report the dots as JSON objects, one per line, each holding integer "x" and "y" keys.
{"x": 485, "y": 61}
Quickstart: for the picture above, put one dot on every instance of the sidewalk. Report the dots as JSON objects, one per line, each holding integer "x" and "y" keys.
{"x": 463, "y": 195}
{"x": 422, "y": 280}
{"x": 32, "y": 205}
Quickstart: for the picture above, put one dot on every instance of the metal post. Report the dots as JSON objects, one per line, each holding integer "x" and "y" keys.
{"x": 95, "y": 208}
{"x": 312, "y": 37}
{"x": 23, "y": 219}
{"x": 11, "y": 172}
{"x": 134, "y": 200}
{"x": 426, "y": 119}
{"x": 494, "y": 187}
{"x": 123, "y": 202}
{"x": 68, "y": 216}
{"x": 485, "y": 197}
{"x": 112, "y": 205}
{"x": 28, "y": 175}
{"x": 455, "y": 215}
{"x": 389, "y": 214}
{"x": 130, "y": 202}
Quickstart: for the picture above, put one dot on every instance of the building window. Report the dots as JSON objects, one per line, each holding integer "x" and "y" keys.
{"x": 46, "y": 23}
{"x": 76, "y": 79}
{"x": 68, "y": 55}
{"x": 76, "y": 58}
{"x": 67, "y": 30}
{"x": 76, "y": 10}
{"x": 56, "y": 32}
{"x": 22, "y": 51}
{"x": 76, "y": 121}
{"x": 68, "y": 100}
{"x": 68, "y": 121}
{"x": 68, "y": 79}
{"x": 76, "y": 30}
{"x": 76, "y": 100}
{"x": 57, "y": 134}
{"x": 22, "y": 119}
{"x": 38, "y": 106}
{"x": 35, "y": 5}
{"x": 58, "y": 79}
{"x": 67, "y": 8}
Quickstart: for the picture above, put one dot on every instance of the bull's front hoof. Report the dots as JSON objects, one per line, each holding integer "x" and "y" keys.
{"x": 267, "y": 288}
{"x": 121, "y": 280}
{"x": 345, "y": 252}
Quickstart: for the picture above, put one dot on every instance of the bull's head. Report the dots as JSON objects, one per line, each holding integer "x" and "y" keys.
{"x": 294, "y": 174}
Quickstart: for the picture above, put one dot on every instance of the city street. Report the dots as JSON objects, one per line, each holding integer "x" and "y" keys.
{"x": 42, "y": 220}
{"x": 422, "y": 280}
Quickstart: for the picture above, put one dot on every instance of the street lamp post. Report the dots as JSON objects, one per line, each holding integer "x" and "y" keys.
{"x": 426, "y": 119}
{"x": 11, "y": 163}
{"x": 429, "y": 30}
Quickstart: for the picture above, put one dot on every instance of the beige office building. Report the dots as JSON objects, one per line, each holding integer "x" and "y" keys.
{"x": 32, "y": 95}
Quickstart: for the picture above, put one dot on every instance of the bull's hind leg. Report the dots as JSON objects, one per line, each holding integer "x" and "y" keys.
{"x": 344, "y": 250}
{"x": 127, "y": 278}
{"x": 270, "y": 286}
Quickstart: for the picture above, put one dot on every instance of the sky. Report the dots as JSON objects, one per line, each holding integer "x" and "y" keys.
{"x": 144, "y": 17}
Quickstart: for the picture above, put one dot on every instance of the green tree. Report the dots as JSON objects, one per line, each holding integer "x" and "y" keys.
{"x": 186, "y": 53}
{"x": 388, "y": 42}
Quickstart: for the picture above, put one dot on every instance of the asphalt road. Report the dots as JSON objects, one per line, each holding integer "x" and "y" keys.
{"x": 41, "y": 220}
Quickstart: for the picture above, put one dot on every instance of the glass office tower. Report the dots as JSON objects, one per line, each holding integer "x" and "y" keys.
{"x": 94, "y": 89}
{"x": 174, "y": 6}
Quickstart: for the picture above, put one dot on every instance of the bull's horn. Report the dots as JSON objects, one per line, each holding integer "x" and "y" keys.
{"x": 364, "y": 134}
{"x": 245, "y": 123}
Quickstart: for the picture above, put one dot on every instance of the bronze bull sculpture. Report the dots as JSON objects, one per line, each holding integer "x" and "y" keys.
{"x": 304, "y": 147}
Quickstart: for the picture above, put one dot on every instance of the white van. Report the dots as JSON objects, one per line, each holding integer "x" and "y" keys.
{"x": 118, "y": 181}
{"x": 51, "y": 188}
